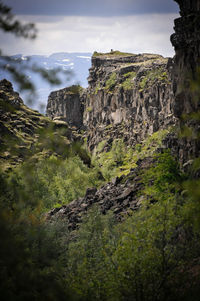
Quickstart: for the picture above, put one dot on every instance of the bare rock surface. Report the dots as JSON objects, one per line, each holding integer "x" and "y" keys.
{"x": 66, "y": 104}
{"x": 185, "y": 74}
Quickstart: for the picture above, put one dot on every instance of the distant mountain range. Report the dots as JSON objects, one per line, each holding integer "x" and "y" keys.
{"x": 77, "y": 63}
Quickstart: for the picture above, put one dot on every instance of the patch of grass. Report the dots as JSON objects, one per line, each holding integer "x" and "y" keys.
{"x": 98, "y": 86}
{"x": 128, "y": 84}
{"x": 89, "y": 109}
{"x": 101, "y": 146}
{"x": 111, "y": 82}
{"x": 112, "y": 53}
{"x": 75, "y": 89}
{"x": 109, "y": 126}
{"x": 151, "y": 76}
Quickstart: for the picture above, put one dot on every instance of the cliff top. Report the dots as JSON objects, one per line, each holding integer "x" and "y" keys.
{"x": 112, "y": 54}
{"x": 118, "y": 58}
{"x": 116, "y": 54}
{"x": 72, "y": 90}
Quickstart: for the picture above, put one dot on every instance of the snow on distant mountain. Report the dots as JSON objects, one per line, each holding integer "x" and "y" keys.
{"x": 76, "y": 63}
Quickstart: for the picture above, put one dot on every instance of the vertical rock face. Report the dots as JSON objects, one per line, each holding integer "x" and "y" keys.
{"x": 186, "y": 41}
{"x": 129, "y": 97}
{"x": 66, "y": 104}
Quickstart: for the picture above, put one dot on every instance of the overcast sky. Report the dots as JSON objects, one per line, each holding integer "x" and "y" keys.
{"x": 87, "y": 25}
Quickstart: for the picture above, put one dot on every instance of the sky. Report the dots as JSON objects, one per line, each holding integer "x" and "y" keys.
{"x": 135, "y": 26}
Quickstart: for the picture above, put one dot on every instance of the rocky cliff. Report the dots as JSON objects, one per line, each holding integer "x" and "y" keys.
{"x": 186, "y": 71}
{"x": 67, "y": 105}
{"x": 186, "y": 41}
{"x": 129, "y": 97}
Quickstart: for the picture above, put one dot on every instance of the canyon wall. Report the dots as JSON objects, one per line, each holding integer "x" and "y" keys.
{"x": 132, "y": 96}
{"x": 186, "y": 75}
{"x": 186, "y": 41}
{"x": 129, "y": 97}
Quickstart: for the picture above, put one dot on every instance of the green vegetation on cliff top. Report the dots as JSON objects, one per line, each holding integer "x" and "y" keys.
{"x": 112, "y": 53}
{"x": 75, "y": 89}
{"x": 128, "y": 83}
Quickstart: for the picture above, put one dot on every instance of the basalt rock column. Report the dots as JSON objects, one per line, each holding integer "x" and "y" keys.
{"x": 186, "y": 41}
{"x": 67, "y": 104}
{"x": 129, "y": 97}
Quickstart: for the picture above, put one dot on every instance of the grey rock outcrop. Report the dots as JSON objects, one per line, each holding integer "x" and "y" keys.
{"x": 186, "y": 70}
{"x": 186, "y": 41}
{"x": 129, "y": 97}
{"x": 67, "y": 105}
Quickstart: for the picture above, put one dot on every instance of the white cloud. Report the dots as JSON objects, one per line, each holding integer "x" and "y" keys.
{"x": 83, "y": 57}
{"x": 137, "y": 34}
